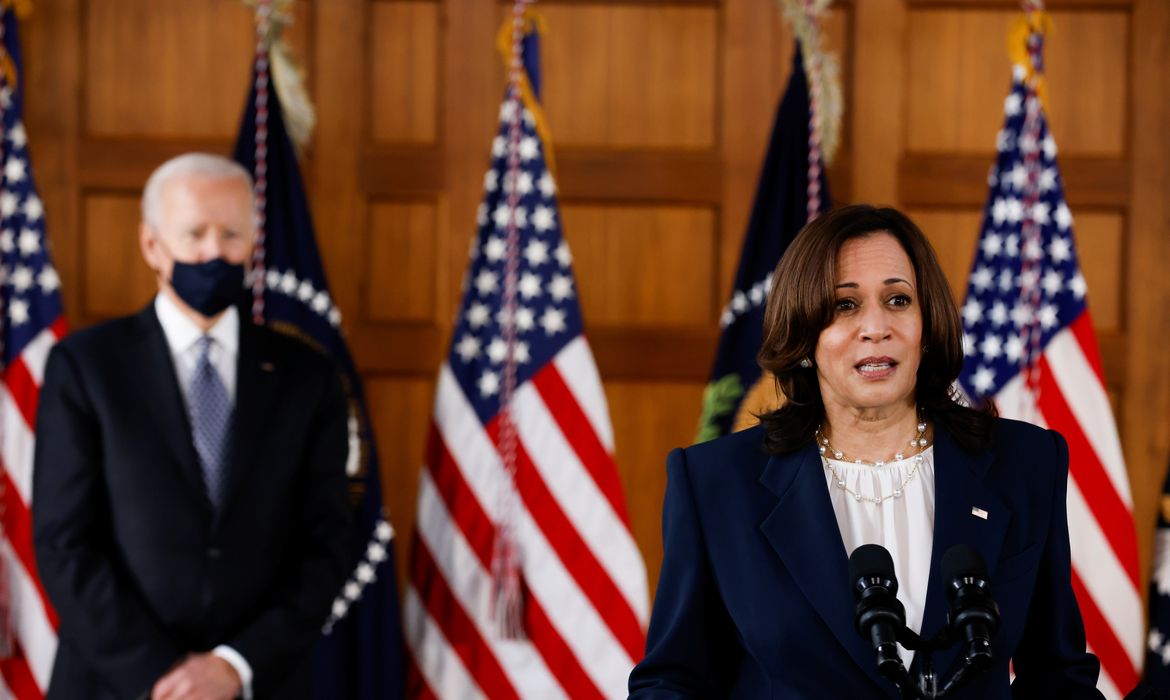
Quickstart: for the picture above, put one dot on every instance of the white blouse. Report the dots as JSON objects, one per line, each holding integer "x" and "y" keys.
{"x": 904, "y": 526}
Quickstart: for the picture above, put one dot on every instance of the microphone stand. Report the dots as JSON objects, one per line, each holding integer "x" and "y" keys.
{"x": 927, "y": 686}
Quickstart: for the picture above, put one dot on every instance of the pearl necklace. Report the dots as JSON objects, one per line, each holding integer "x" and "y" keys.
{"x": 917, "y": 442}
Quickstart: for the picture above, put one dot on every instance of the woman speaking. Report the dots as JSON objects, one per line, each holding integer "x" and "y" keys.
{"x": 870, "y": 447}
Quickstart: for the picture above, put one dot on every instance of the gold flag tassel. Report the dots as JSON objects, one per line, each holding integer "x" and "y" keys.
{"x": 288, "y": 77}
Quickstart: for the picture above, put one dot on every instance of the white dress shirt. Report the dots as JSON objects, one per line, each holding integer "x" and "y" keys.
{"x": 182, "y": 338}
{"x": 904, "y": 526}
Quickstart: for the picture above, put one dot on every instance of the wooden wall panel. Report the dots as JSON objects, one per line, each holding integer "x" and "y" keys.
{"x": 1145, "y": 432}
{"x": 404, "y": 70}
{"x": 953, "y": 234}
{"x": 1100, "y": 240}
{"x": 400, "y": 263}
{"x": 628, "y": 262}
{"x": 650, "y": 418}
{"x": 116, "y": 279}
{"x": 631, "y": 76}
{"x": 958, "y": 68}
{"x": 1089, "y": 86}
{"x": 400, "y": 413}
{"x": 169, "y": 68}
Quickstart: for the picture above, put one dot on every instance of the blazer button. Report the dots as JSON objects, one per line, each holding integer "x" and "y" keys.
{"x": 214, "y": 552}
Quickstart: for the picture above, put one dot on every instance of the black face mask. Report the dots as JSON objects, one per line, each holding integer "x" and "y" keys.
{"x": 208, "y": 287}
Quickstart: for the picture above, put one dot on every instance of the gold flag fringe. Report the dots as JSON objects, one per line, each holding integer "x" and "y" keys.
{"x": 287, "y": 76}
{"x": 821, "y": 68}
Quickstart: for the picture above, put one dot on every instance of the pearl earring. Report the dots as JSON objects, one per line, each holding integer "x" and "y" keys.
{"x": 805, "y": 363}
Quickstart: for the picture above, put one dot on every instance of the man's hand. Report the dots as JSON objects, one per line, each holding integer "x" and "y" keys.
{"x": 198, "y": 677}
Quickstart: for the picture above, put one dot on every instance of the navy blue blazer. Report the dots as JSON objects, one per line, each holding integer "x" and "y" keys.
{"x": 754, "y": 599}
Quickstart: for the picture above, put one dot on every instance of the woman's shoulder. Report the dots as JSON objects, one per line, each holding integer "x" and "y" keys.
{"x": 1017, "y": 434}
{"x": 1028, "y": 452}
{"x": 743, "y": 444}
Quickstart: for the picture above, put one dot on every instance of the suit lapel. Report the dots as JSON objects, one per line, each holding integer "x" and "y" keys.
{"x": 150, "y": 359}
{"x": 803, "y": 530}
{"x": 959, "y": 489}
{"x": 256, "y": 384}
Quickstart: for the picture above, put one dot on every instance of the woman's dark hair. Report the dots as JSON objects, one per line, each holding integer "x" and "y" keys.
{"x": 801, "y": 304}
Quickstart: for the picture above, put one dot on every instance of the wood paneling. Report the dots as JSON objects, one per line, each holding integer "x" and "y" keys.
{"x": 642, "y": 266}
{"x": 404, "y": 68}
{"x": 1145, "y": 432}
{"x": 879, "y": 101}
{"x": 116, "y": 280}
{"x": 958, "y": 64}
{"x": 623, "y": 76}
{"x": 951, "y": 179}
{"x": 1100, "y": 241}
{"x": 170, "y": 68}
{"x": 400, "y": 413}
{"x": 649, "y": 419}
{"x": 953, "y": 235}
{"x": 400, "y": 262}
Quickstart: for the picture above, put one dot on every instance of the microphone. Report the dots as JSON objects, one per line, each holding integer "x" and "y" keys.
{"x": 974, "y": 615}
{"x": 880, "y": 616}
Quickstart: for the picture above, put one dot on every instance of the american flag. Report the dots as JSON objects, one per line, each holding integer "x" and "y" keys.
{"x": 584, "y": 578}
{"x": 31, "y": 321}
{"x": 1029, "y": 343}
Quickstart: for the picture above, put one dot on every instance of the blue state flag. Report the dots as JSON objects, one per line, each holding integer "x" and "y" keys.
{"x": 780, "y": 210}
{"x": 360, "y": 653}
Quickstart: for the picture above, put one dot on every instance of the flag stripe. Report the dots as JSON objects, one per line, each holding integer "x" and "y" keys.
{"x": 468, "y": 516}
{"x": 1107, "y": 508}
{"x": 18, "y": 529}
{"x": 18, "y": 676}
{"x": 1119, "y": 602}
{"x": 558, "y": 655}
{"x": 1082, "y": 329}
{"x": 471, "y": 587}
{"x": 36, "y": 353}
{"x": 475, "y": 525}
{"x": 576, "y": 493}
{"x": 1109, "y": 650}
{"x": 576, "y": 556}
{"x": 1083, "y": 388}
{"x": 574, "y": 425}
{"x": 24, "y": 390}
{"x": 16, "y": 448}
{"x": 456, "y": 626}
{"x": 441, "y": 668}
{"x": 37, "y": 636}
{"x": 416, "y": 685}
{"x": 578, "y": 370}
{"x": 579, "y": 623}
{"x": 1105, "y": 682}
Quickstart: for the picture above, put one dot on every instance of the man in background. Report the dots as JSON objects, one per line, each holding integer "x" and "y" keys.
{"x": 189, "y": 493}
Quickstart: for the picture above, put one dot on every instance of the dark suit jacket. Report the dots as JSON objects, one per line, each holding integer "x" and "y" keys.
{"x": 139, "y": 567}
{"x": 754, "y": 599}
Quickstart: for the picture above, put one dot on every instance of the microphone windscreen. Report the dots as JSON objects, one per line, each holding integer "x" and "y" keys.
{"x": 963, "y": 560}
{"x": 871, "y": 560}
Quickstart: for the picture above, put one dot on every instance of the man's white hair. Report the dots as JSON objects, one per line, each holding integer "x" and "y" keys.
{"x": 200, "y": 164}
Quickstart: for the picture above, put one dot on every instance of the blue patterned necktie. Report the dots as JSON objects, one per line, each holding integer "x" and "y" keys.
{"x": 211, "y": 415}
